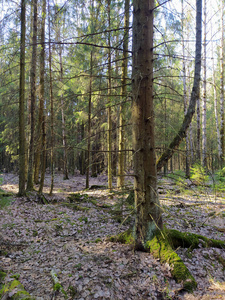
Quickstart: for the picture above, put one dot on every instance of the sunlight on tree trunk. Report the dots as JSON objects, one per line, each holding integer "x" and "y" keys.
{"x": 121, "y": 153}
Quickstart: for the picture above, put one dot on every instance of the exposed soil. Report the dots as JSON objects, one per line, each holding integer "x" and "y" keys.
{"x": 73, "y": 241}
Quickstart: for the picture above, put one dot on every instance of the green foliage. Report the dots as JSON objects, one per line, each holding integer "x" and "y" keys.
{"x": 5, "y": 198}
{"x": 199, "y": 174}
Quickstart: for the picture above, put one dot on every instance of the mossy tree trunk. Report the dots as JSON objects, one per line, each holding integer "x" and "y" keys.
{"x": 148, "y": 213}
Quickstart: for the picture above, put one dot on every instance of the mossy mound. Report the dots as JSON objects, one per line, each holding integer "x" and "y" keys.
{"x": 191, "y": 240}
{"x": 17, "y": 291}
{"x": 160, "y": 247}
{"x": 125, "y": 237}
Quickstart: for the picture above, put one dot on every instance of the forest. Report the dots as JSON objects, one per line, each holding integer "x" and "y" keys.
{"x": 112, "y": 149}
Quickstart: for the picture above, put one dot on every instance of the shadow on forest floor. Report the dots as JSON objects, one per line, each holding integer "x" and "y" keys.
{"x": 70, "y": 237}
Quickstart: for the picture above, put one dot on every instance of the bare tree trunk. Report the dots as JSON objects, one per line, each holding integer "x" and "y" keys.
{"x": 222, "y": 125}
{"x": 121, "y": 153}
{"x": 109, "y": 132}
{"x": 42, "y": 91}
{"x": 148, "y": 213}
{"x": 204, "y": 158}
{"x": 22, "y": 139}
{"x": 89, "y": 125}
{"x": 30, "y": 181}
{"x": 216, "y": 106}
{"x": 51, "y": 101}
{"x": 65, "y": 159}
{"x": 194, "y": 94}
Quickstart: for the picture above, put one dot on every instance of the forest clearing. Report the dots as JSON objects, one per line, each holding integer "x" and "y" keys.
{"x": 72, "y": 238}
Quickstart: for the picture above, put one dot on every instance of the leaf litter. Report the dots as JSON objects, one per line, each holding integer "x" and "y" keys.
{"x": 75, "y": 245}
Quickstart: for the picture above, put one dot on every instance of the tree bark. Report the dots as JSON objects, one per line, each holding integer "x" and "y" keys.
{"x": 22, "y": 139}
{"x": 148, "y": 213}
{"x": 30, "y": 181}
{"x": 42, "y": 92}
{"x": 121, "y": 153}
{"x": 51, "y": 102}
{"x": 222, "y": 117}
{"x": 204, "y": 162}
{"x": 194, "y": 94}
{"x": 109, "y": 131}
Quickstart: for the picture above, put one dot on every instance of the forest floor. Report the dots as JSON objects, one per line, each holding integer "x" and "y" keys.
{"x": 72, "y": 239}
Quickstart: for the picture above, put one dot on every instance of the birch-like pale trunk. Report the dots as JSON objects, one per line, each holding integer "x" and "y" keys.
{"x": 204, "y": 149}
{"x": 185, "y": 97}
{"x": 121, "y": 152}
{"x": 216, "y": 106}
{"x": 222, "y": 117}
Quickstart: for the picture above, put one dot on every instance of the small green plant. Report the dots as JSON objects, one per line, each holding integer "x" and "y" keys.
{"x": 199, "y": 175}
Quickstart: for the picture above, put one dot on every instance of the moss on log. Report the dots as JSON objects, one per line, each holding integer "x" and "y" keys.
{"x": 160, "y": 247}
{"x": 191, "y": 240}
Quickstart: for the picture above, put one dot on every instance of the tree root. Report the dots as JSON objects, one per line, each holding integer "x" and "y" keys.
{"x": 162, "y": 246}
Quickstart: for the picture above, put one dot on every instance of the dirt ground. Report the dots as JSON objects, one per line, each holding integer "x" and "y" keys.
{"x": 73, "y": 242}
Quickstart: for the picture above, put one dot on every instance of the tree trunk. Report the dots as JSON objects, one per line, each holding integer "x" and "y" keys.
{"x": 30, "y": 181}
{"x": 194, "y": 94}
{"x": 222, "y": 125}
{"x": 215, "y": 106}
{"x": 22, "y": 139}
{"x": 89, "y": 125}
{"x": 51, "y": 102}
{"x": 121, "y": 153}
{"x": 204, "y": 163}
{"x": 42, "y": 92}
{"x": 148, "y": 213}
{"x": 109, "y": 131}
{"x": 187, "y": 169}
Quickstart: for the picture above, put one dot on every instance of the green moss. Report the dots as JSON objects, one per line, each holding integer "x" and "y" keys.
{"x": 20, "y": 293}
{"x": 191, "y": 240}
{"x": 160, "y": 247}
{"x": 2, "y": 276}
{"x": 124, "y": 237}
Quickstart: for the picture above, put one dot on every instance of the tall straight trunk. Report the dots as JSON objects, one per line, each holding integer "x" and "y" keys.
{"x": 194, "y": 94}
{"x": 198, "y": 143}
{"x": 51, "y": 101}
{"x": 22, "y": 139}
{"x": 148, "y": 214}
{"x": 65, "y": 158}
{"x": 30, "y": 181}
{"x": 222, "y": 125}
{"x": 109, "y": 131}
{"x": 185, "y": 98}
{"x": 121, "y": 153}
{"x": 42, "y": 92}
{"x": 89, "y": 123}
{"x": 204, "y": 162}
{"x": 215, "y": 105}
